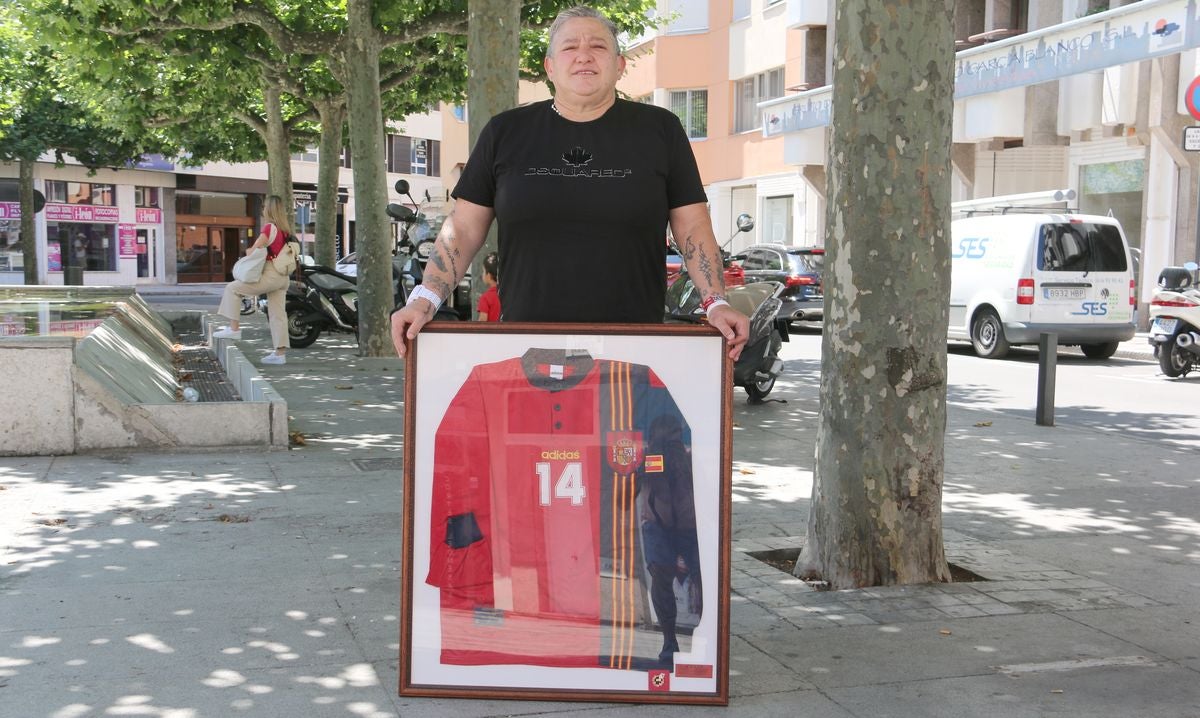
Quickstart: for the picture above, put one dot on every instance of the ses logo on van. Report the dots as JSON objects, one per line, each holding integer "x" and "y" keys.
{"x": 970, "y": 248}
{"x": 1092, "y": 309}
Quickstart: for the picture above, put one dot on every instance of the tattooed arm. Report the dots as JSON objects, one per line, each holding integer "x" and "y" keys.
{"x": 461, "y": 236}
{"x": 692, "y": 229}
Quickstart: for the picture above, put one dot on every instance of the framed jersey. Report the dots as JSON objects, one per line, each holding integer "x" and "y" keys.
{"x": 566, "y": 513}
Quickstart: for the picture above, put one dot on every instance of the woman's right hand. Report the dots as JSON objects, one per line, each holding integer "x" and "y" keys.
{"x": 408, "y": 321}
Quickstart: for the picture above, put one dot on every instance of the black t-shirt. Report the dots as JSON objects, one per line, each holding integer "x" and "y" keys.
{"x": 582, "y": 209}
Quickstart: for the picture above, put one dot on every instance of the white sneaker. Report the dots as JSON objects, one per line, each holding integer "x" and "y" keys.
{"x": 227, "y": 333}
{"x": 274, "y": 359}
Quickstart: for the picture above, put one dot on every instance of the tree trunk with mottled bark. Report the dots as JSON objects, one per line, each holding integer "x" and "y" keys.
{"x": 333, "y": 116}
{"x": 362, "y": 47}
{"x": 28, "y": 238}
{"x": 493, "y": 59}
{"x": 876, "y": 514}
{"x": 278, "y": 141}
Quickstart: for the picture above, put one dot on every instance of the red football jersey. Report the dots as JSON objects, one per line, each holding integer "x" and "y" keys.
{"x": 545, "y": 466}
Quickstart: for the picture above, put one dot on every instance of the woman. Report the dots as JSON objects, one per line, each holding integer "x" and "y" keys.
{"x": 277, "y": 237}
{"x": 582, "y": 188}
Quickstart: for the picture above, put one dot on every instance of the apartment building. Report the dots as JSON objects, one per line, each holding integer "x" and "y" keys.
{"x": 159, "y": 222}
{"x": 712, "y": 64}
{"x": 1087, "y": 94}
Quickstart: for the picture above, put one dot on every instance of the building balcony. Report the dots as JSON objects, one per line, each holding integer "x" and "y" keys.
{"x": 807, "y": 13}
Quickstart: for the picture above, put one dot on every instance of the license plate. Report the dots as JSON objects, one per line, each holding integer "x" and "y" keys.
{"x": 1165, "y": 326}
{"x": 1063, "y": 292}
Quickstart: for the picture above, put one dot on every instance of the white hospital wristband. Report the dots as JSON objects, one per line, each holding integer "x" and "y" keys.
{"x": 421, "y": 292}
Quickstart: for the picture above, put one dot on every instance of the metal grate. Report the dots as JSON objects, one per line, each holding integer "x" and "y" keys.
{"x": 378, "y": 464}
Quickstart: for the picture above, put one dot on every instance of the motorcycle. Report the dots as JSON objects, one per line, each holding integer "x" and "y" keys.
{"x": 326, "y": 300}
{"x": 416, "y": 225}
{"x": 1175, "y": 311}
{"x": 759, "y": 364}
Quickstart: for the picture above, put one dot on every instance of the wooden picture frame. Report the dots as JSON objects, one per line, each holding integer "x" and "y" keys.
{"x": 566, "y": 488}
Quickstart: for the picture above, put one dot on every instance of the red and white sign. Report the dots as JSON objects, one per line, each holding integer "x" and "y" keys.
{"x": 126, "y": 240}
{"x": 149, "y": 215}
{"x": 10, "y": 210}
{"x": 81, "y": 213}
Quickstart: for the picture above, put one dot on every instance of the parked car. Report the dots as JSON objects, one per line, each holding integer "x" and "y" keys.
{"x": 734, "y": 275}
{"x": 798, "y": 269}
{"x": 348, "y": 265}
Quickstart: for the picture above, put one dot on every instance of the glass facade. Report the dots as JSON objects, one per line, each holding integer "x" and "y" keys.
{"x": 92, "y": 247}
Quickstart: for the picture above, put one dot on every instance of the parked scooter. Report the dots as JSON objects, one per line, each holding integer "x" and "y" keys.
{"x": 416, "y": 241}
{"x": 759, "y": 364}
{"x": 1175, "y": 311}
{"x": 326, "y": 300}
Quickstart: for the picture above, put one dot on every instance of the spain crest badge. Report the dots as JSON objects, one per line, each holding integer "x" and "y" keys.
{"x": 623, "y": 449}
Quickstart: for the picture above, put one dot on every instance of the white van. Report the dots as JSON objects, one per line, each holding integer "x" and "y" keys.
{"x": 1017, "y": 275}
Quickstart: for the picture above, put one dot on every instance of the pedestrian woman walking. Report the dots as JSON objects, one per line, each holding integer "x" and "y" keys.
{"x": 282, "y": 251}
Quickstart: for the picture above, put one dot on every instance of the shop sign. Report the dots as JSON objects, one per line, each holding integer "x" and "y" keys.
{"x": 126, "y": 240}
{"x": 53, "y": 257}
{"x": 10, "y": 210}
{"x": 81, "y": 213}
{"x": 149, "y": 215}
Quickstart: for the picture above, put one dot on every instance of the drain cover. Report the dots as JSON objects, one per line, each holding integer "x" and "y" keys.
{"x": 378, "y": 464}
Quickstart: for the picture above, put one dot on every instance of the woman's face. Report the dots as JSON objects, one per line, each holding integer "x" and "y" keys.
{"x": 584, "y": 62}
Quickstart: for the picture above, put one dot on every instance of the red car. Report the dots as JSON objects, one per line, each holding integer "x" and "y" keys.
{"x": 734, "y": 274}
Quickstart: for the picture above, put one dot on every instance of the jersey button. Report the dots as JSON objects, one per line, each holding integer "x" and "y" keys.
{"x": 558, "y": 425}
{"x": 558, "y": 407}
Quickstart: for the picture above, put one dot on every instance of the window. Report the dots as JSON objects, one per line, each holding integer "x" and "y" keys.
{"x": 460, "y": 112}
{"x": 11, "y": 259}
{"x": 772, "y": 261}
{"x": 101, "y": 195}
{"x": 741, "y": 9}
{"x": 411, "y": 155}
{"x": 420, "y": 157}
{"x": 687, "y": 16}
{"x": 90, "y": 246}
{"x": 308, "y": 155}
{"x": 753, "y": 90}
{"x": 1081, "y": 248}
{"x": 691, "y": 107}
{"x": 146, "y": 197}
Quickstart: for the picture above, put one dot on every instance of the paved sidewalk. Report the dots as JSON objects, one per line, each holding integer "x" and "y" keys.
{"x": 216, "y": 584}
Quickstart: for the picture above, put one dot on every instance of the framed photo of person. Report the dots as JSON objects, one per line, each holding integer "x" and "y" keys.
{"x": 566, "y": 513}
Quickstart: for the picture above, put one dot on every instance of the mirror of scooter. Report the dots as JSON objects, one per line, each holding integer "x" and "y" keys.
{"x": 400, "y": 213}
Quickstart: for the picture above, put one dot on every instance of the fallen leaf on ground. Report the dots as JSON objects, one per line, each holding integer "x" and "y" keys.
{"x": 344, "y": 386}
{"x": 1057, "y": 690}
{"x": 52, "y": 522}
{"x": 945, "y": 631}
{"x": 231, "y": 519}
{"x": 297, "y": 438}
{"x": 983, "y": 423}
{"x": 745, "y": 471}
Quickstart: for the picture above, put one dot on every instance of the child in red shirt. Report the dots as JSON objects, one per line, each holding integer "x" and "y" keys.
{"x": 489, "y": 301}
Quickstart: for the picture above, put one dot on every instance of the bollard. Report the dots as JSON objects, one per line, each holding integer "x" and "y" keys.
{"x": 1047, "y": 367}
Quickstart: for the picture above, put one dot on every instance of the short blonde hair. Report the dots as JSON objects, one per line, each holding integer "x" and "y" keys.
{"x": 577, "y": 12}
{"x": 277, "y": 214}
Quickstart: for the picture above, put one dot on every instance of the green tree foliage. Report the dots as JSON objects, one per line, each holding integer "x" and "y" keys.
{"x": 313, "y": 62}
{"x": 41, "y": 113}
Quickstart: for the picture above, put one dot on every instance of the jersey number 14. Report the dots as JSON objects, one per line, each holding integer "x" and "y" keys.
{"x": 569, "y": 485}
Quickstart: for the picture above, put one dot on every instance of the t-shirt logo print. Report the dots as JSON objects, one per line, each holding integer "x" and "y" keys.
{"x": 577, "y": 157}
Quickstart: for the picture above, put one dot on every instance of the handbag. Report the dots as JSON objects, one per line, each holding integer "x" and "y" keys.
{"x": 285, "y": 261}
{"x": 249, "y": 268}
